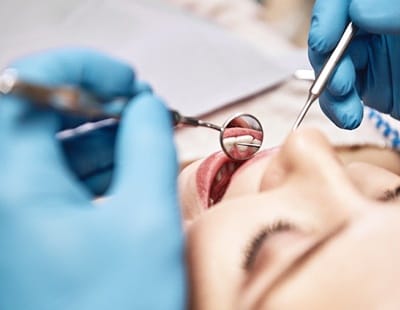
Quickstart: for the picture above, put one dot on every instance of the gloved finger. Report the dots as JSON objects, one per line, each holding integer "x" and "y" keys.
{"x": 94, "y": 71}
{"x": 91, "y": 157}
{"x": 342, "y": 81}
{"x": 343, "y": 78}
{"x": 329, "y": 19}
{"x": 32, "y": 152}
{"x": 143, "y": 198}
{"x": 317, "y": 60}
{"x": 31, "y": 162}
{"x": 345, "y": 112}
{"x": 375, "y": 82}
{"x": 358, "y": 51}
{"x": 142, "y": 87}
{"x": 146, "y": 164}
{"x": 376, "y": 17}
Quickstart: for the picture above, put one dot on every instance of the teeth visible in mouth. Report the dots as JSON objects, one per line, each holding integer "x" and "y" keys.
{"x": 232, "y": 142}
{"x": 221, "y": 181}
{"x": 218, "y": 176}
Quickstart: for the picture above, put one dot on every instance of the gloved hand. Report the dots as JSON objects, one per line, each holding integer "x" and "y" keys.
{"x": 371, "y": 69}
{"x": 59, "y": 250}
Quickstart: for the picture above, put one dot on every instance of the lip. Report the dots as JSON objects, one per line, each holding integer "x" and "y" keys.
{"x": 208, "y": 169}
{"x": 206, "y": 173}
{"x": 233, "y": 132}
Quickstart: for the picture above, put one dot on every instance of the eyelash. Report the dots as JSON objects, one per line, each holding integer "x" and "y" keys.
{"x": 390, "y": 195}
{"x": 265, "y": 233}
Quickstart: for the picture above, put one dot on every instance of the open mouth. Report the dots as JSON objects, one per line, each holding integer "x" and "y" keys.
{"x": 213, "y": 177}
{"x": 215, "y": 174}
{"x": 221, "y": 182}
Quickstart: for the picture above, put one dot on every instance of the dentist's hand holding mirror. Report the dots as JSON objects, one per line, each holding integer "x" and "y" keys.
{"x": 59, "y": 250}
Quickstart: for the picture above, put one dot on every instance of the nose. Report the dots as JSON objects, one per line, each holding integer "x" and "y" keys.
{"x": 308, "y": 170}
{"x": 309, "y": 164}
{"x": 306, "y": 154}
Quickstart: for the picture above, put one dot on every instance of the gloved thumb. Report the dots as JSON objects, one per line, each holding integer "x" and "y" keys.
{"x": 145, "y": 162}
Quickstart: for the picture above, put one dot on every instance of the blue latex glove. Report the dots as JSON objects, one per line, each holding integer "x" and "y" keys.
{"x": 371, "y": 69}
{"x": 59, "y": 250}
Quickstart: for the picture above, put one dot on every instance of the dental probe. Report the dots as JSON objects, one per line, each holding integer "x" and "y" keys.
{"x": 321, "y": 80}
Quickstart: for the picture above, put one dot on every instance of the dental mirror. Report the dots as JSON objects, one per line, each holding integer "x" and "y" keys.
{"x": 241, "y": 136}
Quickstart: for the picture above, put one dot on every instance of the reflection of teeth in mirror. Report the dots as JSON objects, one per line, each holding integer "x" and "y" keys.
{"x": 244, "y": 148}
{"x": 228, "y": 143}
{"x": 254, "y": 144}
{"x": 243, "y": 139}
{"x": 231, "y": 142}
{"x": 235, "y": 132}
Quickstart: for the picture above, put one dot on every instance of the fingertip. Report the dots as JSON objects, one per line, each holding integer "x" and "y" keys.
{"x": 145, "y": 156}
{"x": 317, "y": 40}
{"x": 146, "y": 115}
{"x": 328, "y": 21}
{"x": 345, "y": 112}
{"x": 343, "y": 79}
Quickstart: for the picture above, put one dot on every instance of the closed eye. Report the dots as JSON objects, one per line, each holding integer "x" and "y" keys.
{"x": 390, "y": 195}
{"x": 265, "y": 233}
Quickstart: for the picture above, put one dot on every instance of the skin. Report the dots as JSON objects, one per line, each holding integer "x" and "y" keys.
{"x": 342, "y": 250}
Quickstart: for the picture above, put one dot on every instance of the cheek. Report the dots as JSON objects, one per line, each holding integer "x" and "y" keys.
{"x": 272, "y": 177}
{"x": 371, "y": 180}
{"x": 214, "y": 250}
{"x": 327, "y": 280}
{"x": 189, "y": 199}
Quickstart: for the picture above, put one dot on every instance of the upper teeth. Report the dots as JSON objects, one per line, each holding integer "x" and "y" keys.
{"x": 231, "y": 142}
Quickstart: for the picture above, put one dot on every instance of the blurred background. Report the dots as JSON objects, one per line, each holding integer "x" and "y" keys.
{"x": 206, "y": 58}
{"x": 291, "y": 18}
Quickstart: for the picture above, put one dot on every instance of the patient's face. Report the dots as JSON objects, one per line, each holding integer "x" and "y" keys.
{"x": 295, "y": 229}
